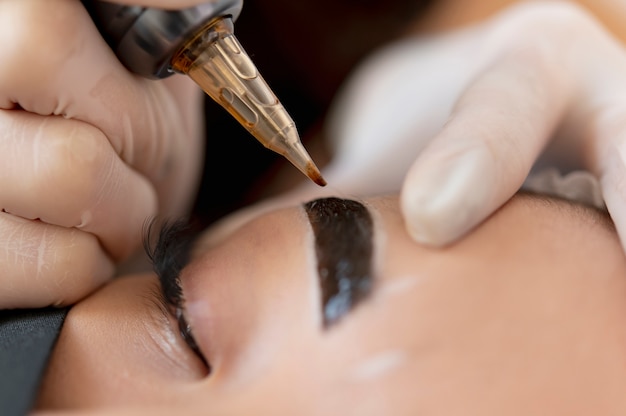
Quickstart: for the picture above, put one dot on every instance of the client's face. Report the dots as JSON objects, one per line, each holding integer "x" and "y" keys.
{"x": 331, "y": 309}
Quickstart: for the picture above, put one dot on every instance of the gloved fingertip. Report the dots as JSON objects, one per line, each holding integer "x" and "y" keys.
{"x": 442, "y": 201}
{"x": 433, "y": 229}
{"x": 428, "y": 235}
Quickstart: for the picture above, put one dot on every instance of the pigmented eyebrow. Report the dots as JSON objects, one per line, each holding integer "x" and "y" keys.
{"x": 343, "y": 230}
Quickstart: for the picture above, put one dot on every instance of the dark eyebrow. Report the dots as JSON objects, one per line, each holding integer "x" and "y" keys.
{"x": 343, "y": 230}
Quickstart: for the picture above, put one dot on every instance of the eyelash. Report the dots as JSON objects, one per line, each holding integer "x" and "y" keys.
{"x": 169, "y": 255}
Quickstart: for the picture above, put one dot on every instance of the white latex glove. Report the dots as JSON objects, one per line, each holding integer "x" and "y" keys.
{"x": 89, "y": 152}
{"x": 460, "y": 119}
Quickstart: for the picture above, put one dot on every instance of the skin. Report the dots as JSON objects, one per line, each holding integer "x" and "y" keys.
{"x": 525, "y": 315}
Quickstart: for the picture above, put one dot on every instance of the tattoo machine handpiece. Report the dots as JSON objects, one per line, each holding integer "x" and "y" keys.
{"x": 199, "y": 42}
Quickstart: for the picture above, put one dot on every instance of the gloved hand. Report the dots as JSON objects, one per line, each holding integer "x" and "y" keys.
{"x": 459, "y": 119}
{"x": 89, "y": 152}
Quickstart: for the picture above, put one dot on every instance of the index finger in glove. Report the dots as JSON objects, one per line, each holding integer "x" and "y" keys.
{"x": 56, "y": 63}
{"x": 45, "y": 265}
{"x": 65, "y": 172}
{"x": 499, "y": 126}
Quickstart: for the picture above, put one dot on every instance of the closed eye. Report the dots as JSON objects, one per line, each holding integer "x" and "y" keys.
{"x": 169, "y": 255}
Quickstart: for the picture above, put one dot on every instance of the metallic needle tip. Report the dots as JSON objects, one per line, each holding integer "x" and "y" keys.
{"x": 314, "y": 174}
{"x": 299, "y": 157}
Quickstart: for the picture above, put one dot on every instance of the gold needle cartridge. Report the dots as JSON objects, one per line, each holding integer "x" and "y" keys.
{"x": 215, "y": 60}
{"x": 199, "y": 42}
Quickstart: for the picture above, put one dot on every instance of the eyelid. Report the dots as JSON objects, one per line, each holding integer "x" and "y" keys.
{"x": 169, "y": 255}
{"x": 186, "y": 333}
{"x": 162, "y": 329}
